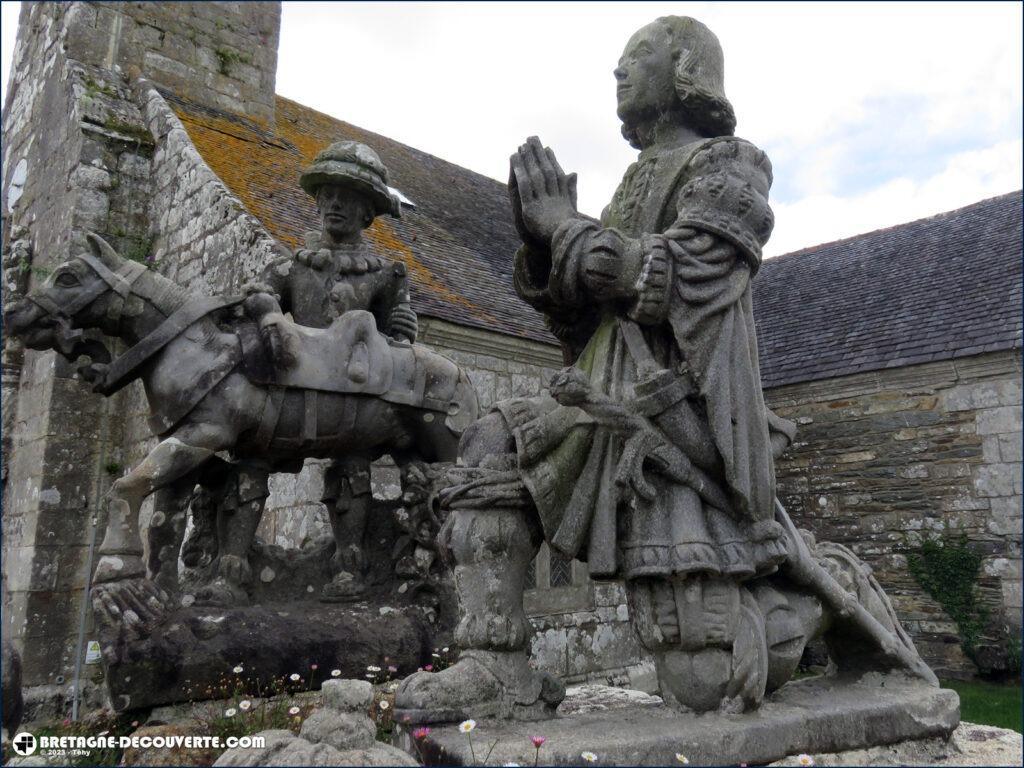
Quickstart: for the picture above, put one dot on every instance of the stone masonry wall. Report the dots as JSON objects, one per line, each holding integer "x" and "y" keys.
{"x": 76, "y": 158}
{"x": 886, "y": 459}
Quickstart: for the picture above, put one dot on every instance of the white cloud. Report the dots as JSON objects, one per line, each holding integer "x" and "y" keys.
{"x": 966, "y": 178}
{"x": 854, "y": 102}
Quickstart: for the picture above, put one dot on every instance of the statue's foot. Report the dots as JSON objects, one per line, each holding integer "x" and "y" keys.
{"x": 343, "y": 588}
{"x": 481, "y": 684}
{"x": 222, "y": 593}
{"x": 133, "y": 607}
{"x": 115, "y": 567}
{"x": 227, "y": 590}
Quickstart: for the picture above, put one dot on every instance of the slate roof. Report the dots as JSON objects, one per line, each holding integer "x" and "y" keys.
{"x": 458, "y": 242}
{"x": 942, "y": 287}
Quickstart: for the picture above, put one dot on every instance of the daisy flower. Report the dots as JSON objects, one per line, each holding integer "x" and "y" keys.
{"x": 335, "y": 673}
{"x": 384, "y": 705}
{"x": 590, "y": 757}
{"x": 245, "y": 705}
{"x": 230, "y": 712}
{"x": 294, "y": 711}
{"x": 238, "y": 670}
{"x": 805, "y": 760}
{"x": 681, "y": 758}
{"x": 467, "y": 725}
{"x": 295, "y": 677}
{"x": 421, "y": 733}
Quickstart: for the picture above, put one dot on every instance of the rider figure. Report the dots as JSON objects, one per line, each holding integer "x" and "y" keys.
{"x": 337, "y": 273}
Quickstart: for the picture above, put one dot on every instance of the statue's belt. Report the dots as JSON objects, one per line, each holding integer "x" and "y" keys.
{"x": 125, "y": 368}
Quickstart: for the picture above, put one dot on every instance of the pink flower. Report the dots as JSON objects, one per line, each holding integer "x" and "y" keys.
{"x": 429, "y": 668}
{"x": 312, "y": 666}
{"x": 421, "y": 733}
{"x": 537, "y": 741}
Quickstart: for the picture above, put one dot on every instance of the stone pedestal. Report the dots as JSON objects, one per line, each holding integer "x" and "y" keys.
{"x": 193, "y": 653}
{"x": 813, "y": 716}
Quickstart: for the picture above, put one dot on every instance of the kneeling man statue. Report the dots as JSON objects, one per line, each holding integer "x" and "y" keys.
{"x": 652, "y": 456}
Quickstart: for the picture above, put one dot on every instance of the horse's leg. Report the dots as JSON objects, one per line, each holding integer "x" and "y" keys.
{"x": 186, "y": 450}
{"x": 167, "y": 529}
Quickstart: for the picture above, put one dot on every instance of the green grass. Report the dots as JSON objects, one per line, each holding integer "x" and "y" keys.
{"x": 997, "y": 704}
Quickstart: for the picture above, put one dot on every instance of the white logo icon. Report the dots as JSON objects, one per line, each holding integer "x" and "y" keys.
{"x": 24, "y": 744}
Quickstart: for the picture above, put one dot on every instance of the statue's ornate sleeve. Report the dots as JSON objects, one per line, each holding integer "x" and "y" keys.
{"x": 721, "y": 201}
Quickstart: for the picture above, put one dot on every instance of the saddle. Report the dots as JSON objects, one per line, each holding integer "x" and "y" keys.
{"x": 352, "y": 357}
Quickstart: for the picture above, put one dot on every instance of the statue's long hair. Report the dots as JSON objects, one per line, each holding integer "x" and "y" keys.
{"x": 699, "y": 79}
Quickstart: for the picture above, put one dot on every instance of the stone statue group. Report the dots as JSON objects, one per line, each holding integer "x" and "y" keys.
{"x": 651, "y": 457}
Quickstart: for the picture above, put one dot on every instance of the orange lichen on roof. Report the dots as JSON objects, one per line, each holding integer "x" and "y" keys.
{"x": 384, "y": 236}
{"x": 261, "y": 171}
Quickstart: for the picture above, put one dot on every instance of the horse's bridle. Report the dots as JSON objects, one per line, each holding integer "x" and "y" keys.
{"x": 120, "y": 282}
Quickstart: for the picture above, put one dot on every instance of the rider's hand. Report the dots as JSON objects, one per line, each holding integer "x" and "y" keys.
{"x": 402, "y": 323}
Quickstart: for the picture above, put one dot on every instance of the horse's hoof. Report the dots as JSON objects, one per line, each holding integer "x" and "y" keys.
{"x": 118, "y": 568}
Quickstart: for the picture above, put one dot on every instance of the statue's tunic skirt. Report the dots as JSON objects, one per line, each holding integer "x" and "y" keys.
{"x": 705, "y": 323}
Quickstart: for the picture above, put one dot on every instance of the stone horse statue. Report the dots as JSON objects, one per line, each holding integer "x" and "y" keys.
{"x": 211, "y": 388}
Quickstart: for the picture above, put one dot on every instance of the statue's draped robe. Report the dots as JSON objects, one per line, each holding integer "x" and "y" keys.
{"x": 696, "y": 313}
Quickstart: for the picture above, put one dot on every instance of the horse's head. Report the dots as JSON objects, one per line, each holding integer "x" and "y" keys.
{"x": 84, "y": 292}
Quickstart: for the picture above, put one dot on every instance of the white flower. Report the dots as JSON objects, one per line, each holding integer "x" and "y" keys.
{"x": 436, "y": 655}
{"x": 805, "y": 759}
{"x": 681, "y": 758}
{"x": 445, "y": 649}
{"x": 244, "y": 705}
{"x": 103, "y": 733}
{"x": 238, "y": 670}
{"x": 294, "y": 711}
{"x": 384, "y": 705}
{"x": 230, "y": 712}
{"x": 370, "y": 675}
{"x": 335, "y": 673}
{"x": 467, "y": 725}
{"x": 372, "y": 668}
{"x": 294, "y": 677}
{"x": 511, "y": 765}
{"x": 590, "y": 757}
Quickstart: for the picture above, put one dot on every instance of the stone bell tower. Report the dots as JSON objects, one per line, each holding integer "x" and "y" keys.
{"x": 77, "y": 157}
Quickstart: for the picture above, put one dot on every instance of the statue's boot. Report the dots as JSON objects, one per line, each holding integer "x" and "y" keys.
{"x": 482, "y": 683}
{"x": 227, "y": 589}
{"x": 491, "y": 549}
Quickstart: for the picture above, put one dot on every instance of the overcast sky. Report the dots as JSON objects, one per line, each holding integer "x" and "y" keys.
{"x": 872, "y": 114}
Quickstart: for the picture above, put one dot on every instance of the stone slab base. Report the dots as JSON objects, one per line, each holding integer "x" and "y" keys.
{"x": 192, "y": 654}
{"x": 970, "y": 744}
{"x": 813, "y": 716}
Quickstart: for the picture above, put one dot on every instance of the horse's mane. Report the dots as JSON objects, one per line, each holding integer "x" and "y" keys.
{"x": 169, "y": 296}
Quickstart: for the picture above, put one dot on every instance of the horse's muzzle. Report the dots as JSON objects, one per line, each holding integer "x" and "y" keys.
{"x": 28, "y": 321}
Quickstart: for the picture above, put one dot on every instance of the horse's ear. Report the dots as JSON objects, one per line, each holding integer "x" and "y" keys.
{"x": 103, "y": 251}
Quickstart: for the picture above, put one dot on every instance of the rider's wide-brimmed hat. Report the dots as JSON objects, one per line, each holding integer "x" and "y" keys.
{"x": 354, "y": 165}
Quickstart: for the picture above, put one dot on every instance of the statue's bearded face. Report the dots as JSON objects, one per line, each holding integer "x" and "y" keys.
{"x": 344, "y": 212}
{"x": 646, "y": 76}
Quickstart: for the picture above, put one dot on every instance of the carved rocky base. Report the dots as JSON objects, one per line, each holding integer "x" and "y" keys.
{"x": 813, "y": 716}
{"x": 192, "y": 654}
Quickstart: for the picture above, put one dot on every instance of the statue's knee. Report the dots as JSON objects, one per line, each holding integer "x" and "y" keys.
{"x": 485, "y": 437}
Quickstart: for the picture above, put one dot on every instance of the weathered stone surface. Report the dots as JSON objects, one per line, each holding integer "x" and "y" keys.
{"x": 285, "y": 749}
{"x": 177, "y": 756}
{"x": 812, "y": 716}
{"x": 969, "y": 744}
{"x": 195, "y": 647}
{"x": 342, "y": 730}
{"x": 581, "y": 699}
{"x": 347, "y": 695}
